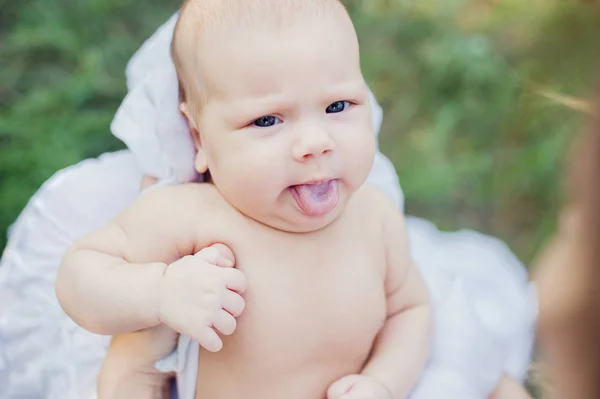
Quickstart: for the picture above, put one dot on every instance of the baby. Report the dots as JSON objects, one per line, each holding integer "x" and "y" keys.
{"x": 324, "y": 299}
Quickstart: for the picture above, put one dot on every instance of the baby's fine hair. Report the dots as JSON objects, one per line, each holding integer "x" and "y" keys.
{"x": 197, "y": 17}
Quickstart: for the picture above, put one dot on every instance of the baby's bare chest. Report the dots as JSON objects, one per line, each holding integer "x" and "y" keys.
{"x": 311, "y": 297}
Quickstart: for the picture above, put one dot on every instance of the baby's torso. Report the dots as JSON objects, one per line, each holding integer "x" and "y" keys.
{"x": 314, "y": 305}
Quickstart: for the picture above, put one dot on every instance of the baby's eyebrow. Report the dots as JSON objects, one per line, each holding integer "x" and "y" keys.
{"x": 349, "y": 87}
{"x": 258, "y": 104}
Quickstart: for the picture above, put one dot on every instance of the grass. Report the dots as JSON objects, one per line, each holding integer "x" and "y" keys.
{"x": 474, "y": 139}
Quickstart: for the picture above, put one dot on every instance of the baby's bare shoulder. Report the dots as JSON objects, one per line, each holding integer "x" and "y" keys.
{"x": 191, "y": 198}
{"x": 381, "y": 213}
{"x": 375, "y": 203}
{"x": 174, "y": 221}
{"x": 174, "y": 207}
{"x": 180, "y": 194}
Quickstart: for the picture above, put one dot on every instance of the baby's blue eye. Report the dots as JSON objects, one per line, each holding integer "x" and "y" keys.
{"x": 267, "y": 121}
{"x": 337, "y": 106}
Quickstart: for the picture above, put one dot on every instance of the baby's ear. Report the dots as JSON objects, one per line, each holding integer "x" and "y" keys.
{"x": 185, "y": 111}
{"x": 200, "y": 162}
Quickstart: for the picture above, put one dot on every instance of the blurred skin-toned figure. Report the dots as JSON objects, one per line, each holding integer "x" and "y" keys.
{"x": 568, "y": 276}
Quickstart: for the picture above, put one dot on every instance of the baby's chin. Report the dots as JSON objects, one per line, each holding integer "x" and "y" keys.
{"x": 300, "y": 224}
{"x": 289, "y": 219}
{"x": 305, "y": 224}
{"x": 293, "y": 219}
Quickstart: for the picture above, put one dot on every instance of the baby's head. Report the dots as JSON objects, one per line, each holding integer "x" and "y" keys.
{"x": 275, "y": 98}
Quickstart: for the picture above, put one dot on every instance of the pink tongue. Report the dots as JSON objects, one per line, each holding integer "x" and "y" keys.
{"x": 317, "y": 199}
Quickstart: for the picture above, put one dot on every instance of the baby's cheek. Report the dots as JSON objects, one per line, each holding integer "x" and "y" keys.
{"x": 255, "y": 183}
{"x": 362, "y": 155}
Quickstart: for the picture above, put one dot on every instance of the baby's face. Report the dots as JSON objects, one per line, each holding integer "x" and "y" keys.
{"x": 286, "y": 128}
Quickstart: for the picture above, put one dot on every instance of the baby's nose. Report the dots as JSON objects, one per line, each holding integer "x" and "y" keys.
{"x": 312, "y": 144}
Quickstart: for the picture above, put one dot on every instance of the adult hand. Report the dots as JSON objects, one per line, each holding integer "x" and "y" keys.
{"x": 128, "y": 370}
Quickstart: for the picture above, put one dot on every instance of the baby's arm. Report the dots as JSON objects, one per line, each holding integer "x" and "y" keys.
{"x": 128, "y": 275}
{"x": 402, "y": 348}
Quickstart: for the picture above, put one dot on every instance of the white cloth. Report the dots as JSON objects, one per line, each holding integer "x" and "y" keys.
{"x": 43, "y": 353}
{"x": 484, "y": 306}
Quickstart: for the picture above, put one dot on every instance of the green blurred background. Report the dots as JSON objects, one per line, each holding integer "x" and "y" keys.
{"x": 477, "y": 96}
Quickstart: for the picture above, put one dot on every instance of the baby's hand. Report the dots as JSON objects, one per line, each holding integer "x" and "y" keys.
{"x": 201, "y": 296}
{"x": 357, "y": 386}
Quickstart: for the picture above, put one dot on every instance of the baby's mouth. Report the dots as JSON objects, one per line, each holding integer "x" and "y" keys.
{"x": 316, "y": 199}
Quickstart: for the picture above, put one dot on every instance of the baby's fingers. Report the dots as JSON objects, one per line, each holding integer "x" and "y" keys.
{"x": 338, "y": 389}
{"x": 234, "y": 279}
{"x": 224, "y": 323}
{"x": 209, "y": 340}
{"x": 218, "y": 254}
{"x": 233, "y": 303}
{"x": 213, "y": 256}
{"x": 227, "y": 258}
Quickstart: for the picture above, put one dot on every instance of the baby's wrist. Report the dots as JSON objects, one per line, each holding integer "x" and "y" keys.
{"x": 153, "y": 305}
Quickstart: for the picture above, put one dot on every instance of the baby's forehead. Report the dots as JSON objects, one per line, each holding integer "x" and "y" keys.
{"x": 203, "y": 22}
{"x": 208, "y": 40}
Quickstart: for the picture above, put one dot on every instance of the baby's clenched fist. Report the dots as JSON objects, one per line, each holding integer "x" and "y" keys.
{"x": 200, "y": 296}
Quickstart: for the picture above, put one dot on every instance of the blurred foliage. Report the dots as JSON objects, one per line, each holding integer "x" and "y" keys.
{"x": 474, "y": 140}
